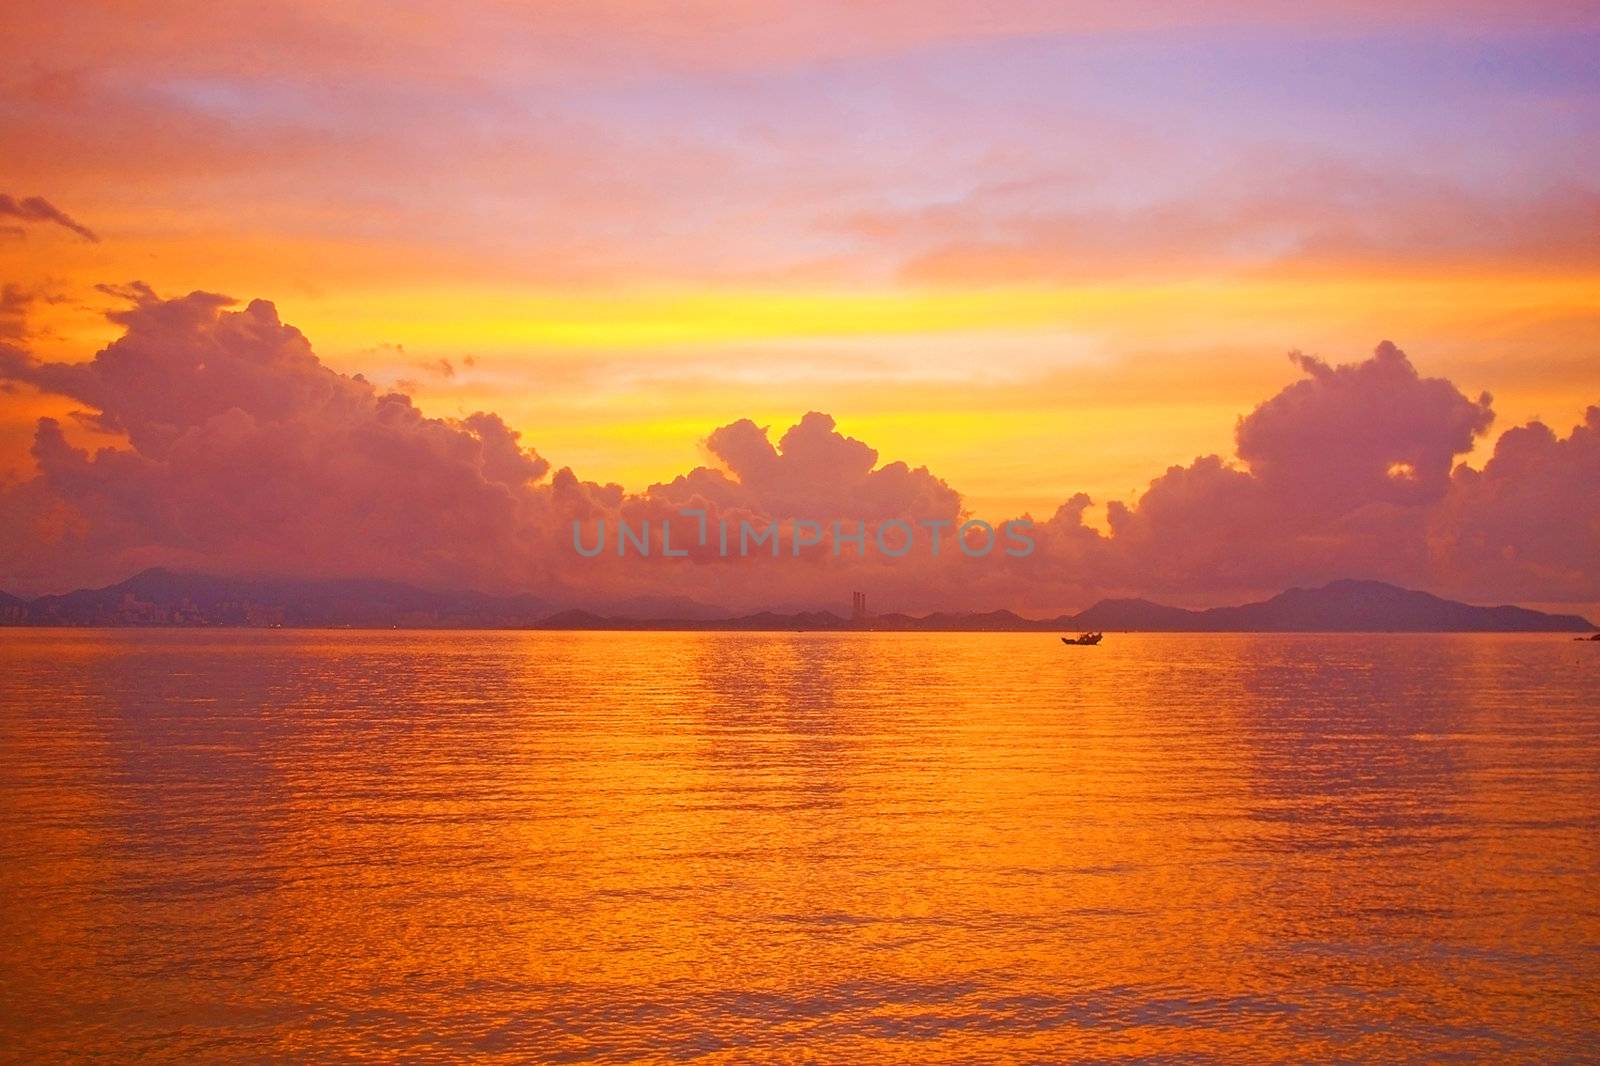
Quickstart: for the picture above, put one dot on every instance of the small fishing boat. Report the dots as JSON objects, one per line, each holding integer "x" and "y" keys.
{"x": 1084, "y": 638}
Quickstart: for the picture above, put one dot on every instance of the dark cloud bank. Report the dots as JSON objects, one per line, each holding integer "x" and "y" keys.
{"x": 244, "y": 454}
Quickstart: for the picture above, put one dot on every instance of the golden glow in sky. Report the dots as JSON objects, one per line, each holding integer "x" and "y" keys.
{"x": 1039, "y": 251}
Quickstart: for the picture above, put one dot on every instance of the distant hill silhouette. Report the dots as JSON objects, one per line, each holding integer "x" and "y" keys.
{"x": 1341, "y": 606}
{"x": 165, "y": 597}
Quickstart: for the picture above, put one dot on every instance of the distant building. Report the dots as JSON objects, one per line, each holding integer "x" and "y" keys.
{"x": 858, "y": 607}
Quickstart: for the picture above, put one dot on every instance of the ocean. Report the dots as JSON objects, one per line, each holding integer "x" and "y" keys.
{"x": 230, "y": 845}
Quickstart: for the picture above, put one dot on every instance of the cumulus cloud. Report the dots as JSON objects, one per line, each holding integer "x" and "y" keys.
{"x": 38, "y": 209}
{"x": 1371, "y": 432}
{"x": 814, "y": 471}
{"x": 1334, "y": 476}
{"x": 244, "y": 453}
{"x": 1353, "y": 471}
{"x": 1528, "y": 524}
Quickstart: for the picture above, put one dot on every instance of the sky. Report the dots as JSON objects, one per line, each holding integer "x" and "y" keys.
{"x": 1042, "y": 250}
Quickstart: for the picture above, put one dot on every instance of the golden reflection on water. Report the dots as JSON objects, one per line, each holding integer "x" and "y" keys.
{"x": 800, "y": 847}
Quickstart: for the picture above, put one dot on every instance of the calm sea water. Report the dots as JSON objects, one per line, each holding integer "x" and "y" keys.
{"x": 797, "y": 847}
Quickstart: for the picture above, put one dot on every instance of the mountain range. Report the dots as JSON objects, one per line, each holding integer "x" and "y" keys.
{"x": 165, "y": 597}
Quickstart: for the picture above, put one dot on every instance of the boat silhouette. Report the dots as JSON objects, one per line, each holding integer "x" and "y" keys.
{"x": 1084, "y": 638}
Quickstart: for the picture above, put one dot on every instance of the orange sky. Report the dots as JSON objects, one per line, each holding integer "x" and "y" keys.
{"x": 1039, "y": 248}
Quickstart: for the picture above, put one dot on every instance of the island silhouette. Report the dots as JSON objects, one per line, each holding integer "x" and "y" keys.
{"x": 160, "y": 597}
